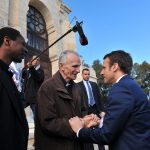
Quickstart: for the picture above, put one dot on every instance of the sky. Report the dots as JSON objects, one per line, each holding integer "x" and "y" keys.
{"x": 113, "y": 25}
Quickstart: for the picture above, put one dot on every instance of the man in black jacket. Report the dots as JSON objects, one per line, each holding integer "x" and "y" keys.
{"x": 91, "y": 93}
{"x": 33, "y": 77}
{"x": 13, "y": 123}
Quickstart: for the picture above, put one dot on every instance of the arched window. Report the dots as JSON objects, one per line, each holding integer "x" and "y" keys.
{"x": 37, "y": 39}
{"x": 36, "y": 30}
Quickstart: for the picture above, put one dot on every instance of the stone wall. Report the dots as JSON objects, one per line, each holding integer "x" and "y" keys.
{"x": 13, "y": 13}
{"x": 4, "y": 9}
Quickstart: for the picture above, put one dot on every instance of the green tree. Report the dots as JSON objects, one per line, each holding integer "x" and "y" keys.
{"x": 97, "y": 66}
{"x": 86, "y": 65}
{"x": 141, "y": 73}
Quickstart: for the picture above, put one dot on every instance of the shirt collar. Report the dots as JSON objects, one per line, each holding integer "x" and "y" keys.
{"x": 66, "y": 84}
{"x": 120, "y": 78}
{"x": 86, "y": 81}
{"x": 37, "y": 67}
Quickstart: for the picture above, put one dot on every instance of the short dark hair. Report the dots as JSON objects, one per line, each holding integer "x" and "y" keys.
{"x": 85, "y": 69}
{"x": 123, "y": 59}
{"x": 12, "y": 33}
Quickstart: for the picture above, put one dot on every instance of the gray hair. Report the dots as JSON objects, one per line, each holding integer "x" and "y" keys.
{"x": 64, "y": 54}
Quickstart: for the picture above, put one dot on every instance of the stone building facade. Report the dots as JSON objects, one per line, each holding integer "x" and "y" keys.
{"x": 41, "y": 22}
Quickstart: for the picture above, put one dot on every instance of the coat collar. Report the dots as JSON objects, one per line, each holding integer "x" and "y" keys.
{"x": 126, "y": 77}
{"x": 60, "y": 84}
{"x": 123, "y": 78}
{"x": 63, "y": 92}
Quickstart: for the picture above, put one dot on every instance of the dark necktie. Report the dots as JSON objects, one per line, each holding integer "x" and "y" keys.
{"x": 91, "y": 102}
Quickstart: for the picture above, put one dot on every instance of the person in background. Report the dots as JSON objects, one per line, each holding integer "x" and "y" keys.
{"x": 16, "y": 75}
{"x": 126, "y": 124}
{"x": 33, "y": 77}
{"x": 13, "y": 126}
{"x": 91, "y": 94}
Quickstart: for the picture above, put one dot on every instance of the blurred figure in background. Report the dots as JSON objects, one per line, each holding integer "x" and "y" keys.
{"x": 16, "y": 75}
{"x": 33, "y": 77}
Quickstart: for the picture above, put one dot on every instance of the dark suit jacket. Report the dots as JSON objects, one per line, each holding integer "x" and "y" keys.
{"x": 32, "y": 81}
{"x": 13, "y": 124}
{"x": 127, "y": 120}
{"x": 96, "y": 95}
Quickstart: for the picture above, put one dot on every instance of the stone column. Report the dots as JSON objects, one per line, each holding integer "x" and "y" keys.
{"x": 17, "y": 17}
{"x": 4, "y": 7}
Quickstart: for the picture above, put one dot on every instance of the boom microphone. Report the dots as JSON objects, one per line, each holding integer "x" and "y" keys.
{"x": 83, "y": 38}
{"x": 77, "y": 27}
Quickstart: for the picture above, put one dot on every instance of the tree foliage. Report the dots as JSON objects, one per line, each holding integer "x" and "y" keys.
{"x": 97, "y": 66}
{"x": 141, "y": 73}
{"x": 86, "y": 65}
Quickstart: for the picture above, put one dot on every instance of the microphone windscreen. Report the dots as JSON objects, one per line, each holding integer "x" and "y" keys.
{"x": 83, "y": 40}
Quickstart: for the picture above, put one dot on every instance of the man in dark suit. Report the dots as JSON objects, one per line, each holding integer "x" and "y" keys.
{"x": 126, "y": 125}
{"x": 13, "y": 126}
{"x": 91, "y": 93}
{"x": 92, "y": 99}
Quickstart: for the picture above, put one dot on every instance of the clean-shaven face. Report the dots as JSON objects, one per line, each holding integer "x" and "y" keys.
{"x": 86, "y": 75}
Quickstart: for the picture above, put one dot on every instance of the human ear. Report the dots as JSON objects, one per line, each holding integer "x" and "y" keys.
{"x": 6, "y": 41}
{"x": 61, "y": 66}
{"x": 115, "y": 66}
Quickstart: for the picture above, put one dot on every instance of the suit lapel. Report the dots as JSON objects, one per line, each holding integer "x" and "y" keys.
{"x": 11, "y": 95}
{"x": 85, "y": 93}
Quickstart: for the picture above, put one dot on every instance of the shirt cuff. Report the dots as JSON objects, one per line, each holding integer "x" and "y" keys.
{"x": 101, "y": 123}
{"x": 78, "y": 132}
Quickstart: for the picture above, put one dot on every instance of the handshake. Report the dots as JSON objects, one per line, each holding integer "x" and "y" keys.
{"x": 88, "y": 121}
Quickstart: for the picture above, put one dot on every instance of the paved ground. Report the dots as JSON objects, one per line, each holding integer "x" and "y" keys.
{"x": 31, "y": 147}
{"x": 30, "y": 144}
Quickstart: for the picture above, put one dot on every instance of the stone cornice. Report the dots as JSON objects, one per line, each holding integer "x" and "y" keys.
{"x": 64, "y": 9}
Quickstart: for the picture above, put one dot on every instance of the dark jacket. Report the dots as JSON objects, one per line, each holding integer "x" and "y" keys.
{"x": 126, "y": 124}
{"x": 13, "y": 123}
{"x": 96, "y": 95}
{"x": 55, "y": 106}
{"x": 32, "y": 81}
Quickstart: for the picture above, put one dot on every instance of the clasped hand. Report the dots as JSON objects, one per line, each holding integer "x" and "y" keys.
{"x": 87, "y": 122}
